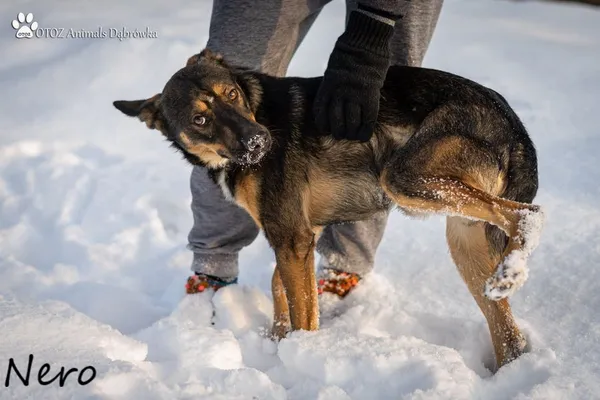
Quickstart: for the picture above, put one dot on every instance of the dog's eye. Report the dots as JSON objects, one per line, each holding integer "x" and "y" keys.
{"x": 233, "y": 94}
{"x": 199, "y": 120}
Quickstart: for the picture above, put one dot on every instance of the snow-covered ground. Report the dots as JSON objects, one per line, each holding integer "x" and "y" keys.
{"x": 94, "y": 213}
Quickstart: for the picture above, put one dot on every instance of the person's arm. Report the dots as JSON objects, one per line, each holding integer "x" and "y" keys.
{"x": 347, "y": 102}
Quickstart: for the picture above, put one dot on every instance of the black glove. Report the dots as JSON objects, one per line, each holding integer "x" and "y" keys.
{"x": 347, "y": 102}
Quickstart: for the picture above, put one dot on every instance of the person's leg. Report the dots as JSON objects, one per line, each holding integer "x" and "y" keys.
{"x": 263, "y": 35}
{"x": 414, "y": 32}
{"x": 351, "y": 247}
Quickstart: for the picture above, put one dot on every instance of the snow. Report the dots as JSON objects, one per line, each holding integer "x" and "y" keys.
{"x": 94, "y": 214}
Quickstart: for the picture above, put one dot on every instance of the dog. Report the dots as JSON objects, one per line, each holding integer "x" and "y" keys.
{"x": 442, "y": 144}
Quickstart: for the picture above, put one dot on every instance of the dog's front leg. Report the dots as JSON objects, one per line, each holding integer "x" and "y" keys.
{"x": 281, "y": 318}
{"x": 295, "y": 265}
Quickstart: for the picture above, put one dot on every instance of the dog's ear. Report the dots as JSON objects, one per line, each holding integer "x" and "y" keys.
{"x": 251, "y": 88}
{"x": 206, "y": 56}
{"x": 193, "y": 60}
{"x": 147, "y": 111}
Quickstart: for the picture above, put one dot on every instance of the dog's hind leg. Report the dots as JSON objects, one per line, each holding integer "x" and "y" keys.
{"x": 454, "y": 197}
{"x": 456, "y": 176}
{"x": 476, "y": 259}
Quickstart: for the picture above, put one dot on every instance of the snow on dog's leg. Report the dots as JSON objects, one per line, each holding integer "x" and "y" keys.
{"x": 510, "y": 276}
{"x": 512, "y": 272}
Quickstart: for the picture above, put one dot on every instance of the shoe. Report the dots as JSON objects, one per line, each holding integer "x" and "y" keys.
{"x": 336, "y": 282}
{"x": 198, "y": 283}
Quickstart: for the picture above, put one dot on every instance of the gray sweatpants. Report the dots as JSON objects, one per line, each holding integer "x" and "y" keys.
{"x": 264, "y": 34}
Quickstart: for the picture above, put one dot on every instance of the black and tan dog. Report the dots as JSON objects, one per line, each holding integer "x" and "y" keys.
{"x": 442, "y": 144}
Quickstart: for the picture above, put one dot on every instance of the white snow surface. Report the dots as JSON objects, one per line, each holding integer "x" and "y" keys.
{"x": 94, "y": 215}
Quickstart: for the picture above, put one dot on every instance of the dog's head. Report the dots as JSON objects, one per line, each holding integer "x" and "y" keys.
{"x": 207, "y": 110}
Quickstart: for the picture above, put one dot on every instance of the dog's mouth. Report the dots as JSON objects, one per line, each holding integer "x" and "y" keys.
{"x": 224, "y": 155}
{"x": 251, "y": 157}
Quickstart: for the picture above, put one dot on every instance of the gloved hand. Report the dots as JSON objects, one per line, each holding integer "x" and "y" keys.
{"x": 347, "y": 102}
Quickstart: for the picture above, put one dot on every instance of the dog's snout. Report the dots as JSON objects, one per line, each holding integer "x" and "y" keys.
{"x": 255, "y": 147}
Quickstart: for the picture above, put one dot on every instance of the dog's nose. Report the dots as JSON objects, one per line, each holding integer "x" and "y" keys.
{"x": 255, "y": 142}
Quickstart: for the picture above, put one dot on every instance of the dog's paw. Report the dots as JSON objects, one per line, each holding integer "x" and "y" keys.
{"x": 510, "y": 276}
{"x": 280, "y": 330}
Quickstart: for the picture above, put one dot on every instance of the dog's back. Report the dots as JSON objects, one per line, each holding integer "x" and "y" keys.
{"x": 418, "y": 106}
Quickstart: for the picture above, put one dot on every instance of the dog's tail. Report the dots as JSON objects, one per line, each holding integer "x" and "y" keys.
{"x": 522, "y": 179}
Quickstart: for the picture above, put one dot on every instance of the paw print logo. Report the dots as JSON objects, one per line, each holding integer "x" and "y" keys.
{"x": 24, "y": 25}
